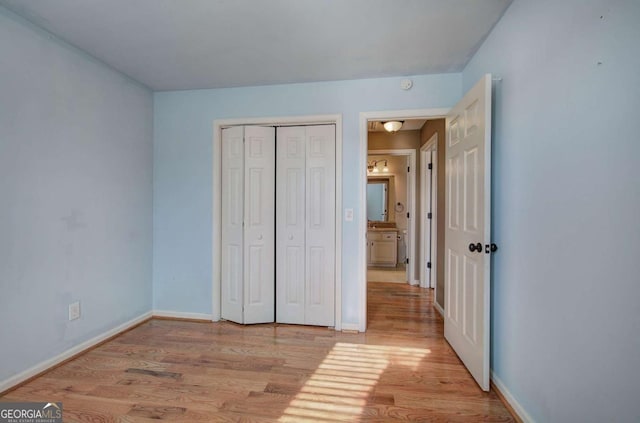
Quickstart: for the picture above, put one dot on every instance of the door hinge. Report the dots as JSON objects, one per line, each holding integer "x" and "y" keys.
{"x": 492, "y": 248}
{"x": 407, "y": 260}
{"x": 408, "y": 169}
{"x": 428, "y": 265}
{"x": 407, "y": 215}
{"x": 430, "y": 166}
{"x": 429, "y": 215}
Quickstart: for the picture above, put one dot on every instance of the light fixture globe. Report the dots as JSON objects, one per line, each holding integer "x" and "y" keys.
{"x": 392, "y": 126}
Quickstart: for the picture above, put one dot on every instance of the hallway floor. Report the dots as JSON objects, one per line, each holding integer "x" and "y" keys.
{"x": 396, "y": 274}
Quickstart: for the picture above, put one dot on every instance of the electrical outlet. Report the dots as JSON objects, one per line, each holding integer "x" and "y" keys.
{"x": 74, "y": 310}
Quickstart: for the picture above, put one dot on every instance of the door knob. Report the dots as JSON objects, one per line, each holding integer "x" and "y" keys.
{"x": 475, "y": 247}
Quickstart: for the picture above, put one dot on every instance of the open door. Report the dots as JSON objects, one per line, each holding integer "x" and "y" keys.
{"x": 468, "y": 229}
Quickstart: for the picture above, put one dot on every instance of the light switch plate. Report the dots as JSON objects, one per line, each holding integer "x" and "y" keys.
{"x": 74, "y": 310}
{"x": 348, "y": 215}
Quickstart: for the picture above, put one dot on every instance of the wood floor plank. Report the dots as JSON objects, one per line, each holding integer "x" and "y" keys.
{"x": 401, "y": 369}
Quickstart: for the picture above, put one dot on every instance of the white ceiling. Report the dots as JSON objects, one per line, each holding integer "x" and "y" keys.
{"x": 189, "y": 44}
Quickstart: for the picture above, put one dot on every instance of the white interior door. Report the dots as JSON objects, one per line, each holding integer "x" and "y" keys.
{"x": 248, "y": 233}
{"x": 259, "y": 226}
{"x": 320, "y": 187}
{"x": 467, "y": 222}
{"x": 305, "y": 225}
{"x": 232, "y": 239}
{"x": 290, "y": 224}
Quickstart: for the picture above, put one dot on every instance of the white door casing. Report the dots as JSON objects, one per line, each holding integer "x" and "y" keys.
{"x": 305, "y": 225}
{"x": 248, "y": 233}
{"x": 468, "y": 222}
{"x": 410, "y": 234}
{"x": 365, "y": 117}
{"x": 411, "y": 240}
{"x": 426, "y": 206}
{"x": 433, "y": 274}
{"x": 217, "y": 202}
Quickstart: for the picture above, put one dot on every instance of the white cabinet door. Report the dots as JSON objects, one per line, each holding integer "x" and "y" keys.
{"x": 248, "y": 234}
{"x": 384, "y": 249}
{"x": 305, "y": 225}
{"x": 383, "y": 252}
{"x": 290, "y": 224}
{"x": 467, "y": 222}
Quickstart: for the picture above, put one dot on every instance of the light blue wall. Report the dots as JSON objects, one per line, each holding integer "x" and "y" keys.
{"x": 566, "y": 190}
{"x": 75, "y": 196}
{"x": 183, "y": 132}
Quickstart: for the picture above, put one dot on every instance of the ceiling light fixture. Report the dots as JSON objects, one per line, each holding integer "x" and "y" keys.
{"x": 372, "y": 166}
{"x": 393, "y": 126}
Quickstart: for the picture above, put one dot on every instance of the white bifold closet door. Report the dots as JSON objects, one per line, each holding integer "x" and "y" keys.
{"x": 248, "y": 232}
{"x": 305, "y": 225}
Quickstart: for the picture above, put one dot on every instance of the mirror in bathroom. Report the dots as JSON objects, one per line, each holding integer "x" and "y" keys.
{"x": 379, "y": 196}
{"x": 378, "y": 199}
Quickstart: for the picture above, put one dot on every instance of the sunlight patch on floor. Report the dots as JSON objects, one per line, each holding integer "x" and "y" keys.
{"x": 346, "y": 378}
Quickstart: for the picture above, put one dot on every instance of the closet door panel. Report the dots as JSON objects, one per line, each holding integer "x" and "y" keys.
{"x": 320, "y": 225}
{"x": 232, "y": 265}
{"x": 290, "y": 224}
{"x": 259, "y": 231}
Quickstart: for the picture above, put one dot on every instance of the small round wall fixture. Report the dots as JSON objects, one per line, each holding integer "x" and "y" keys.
{"x": 406, "y": 84}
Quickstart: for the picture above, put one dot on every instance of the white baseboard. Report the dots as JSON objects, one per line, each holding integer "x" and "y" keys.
{"x": 47, "y": 364}
{"x": 440, "y": 309}
{"x": 351, "y": 327}
{"x": 182, "y": 315}
{"x": 508, "y": 396}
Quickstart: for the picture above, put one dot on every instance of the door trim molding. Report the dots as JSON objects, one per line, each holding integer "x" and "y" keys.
{"x": 361, "y": 272}
{"x": 218, "y": 124}
{"x": 432, "y": 191}
{"x": 412, "y": 250}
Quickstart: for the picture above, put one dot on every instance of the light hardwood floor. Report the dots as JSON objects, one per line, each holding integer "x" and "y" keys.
{"x": 401, "y": 369}
{"x": 381, "y": 274}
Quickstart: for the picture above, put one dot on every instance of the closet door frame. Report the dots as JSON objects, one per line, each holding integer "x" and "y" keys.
{"x": 218, "y": 125}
